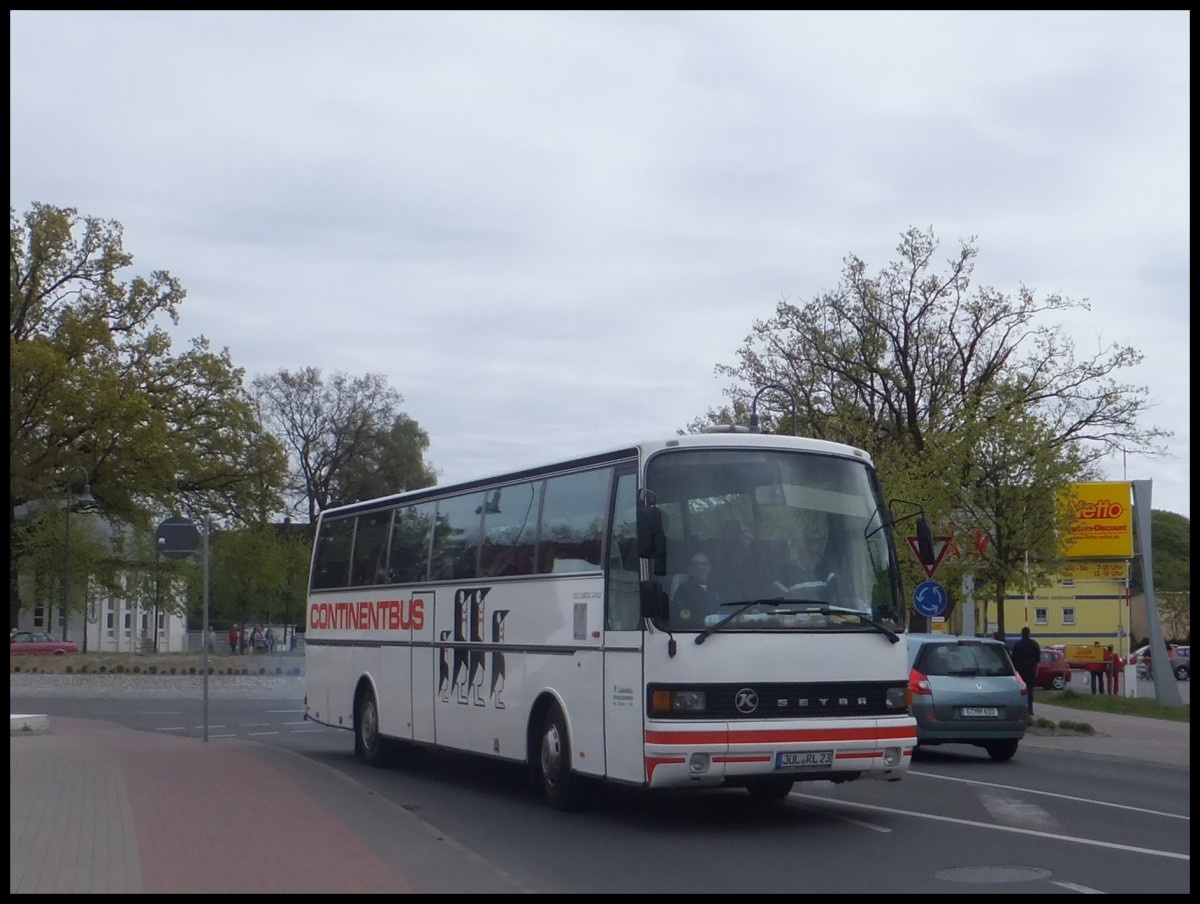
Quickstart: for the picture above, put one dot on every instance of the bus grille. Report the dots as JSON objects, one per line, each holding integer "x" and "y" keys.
{"x": 812, "y": 699}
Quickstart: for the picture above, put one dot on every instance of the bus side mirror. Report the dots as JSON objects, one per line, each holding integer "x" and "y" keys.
{"x": 654, "y": 600}
{"x": 652, "y": 542}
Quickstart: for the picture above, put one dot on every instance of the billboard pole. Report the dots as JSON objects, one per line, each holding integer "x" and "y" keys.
{"x": 1165, "y": 690}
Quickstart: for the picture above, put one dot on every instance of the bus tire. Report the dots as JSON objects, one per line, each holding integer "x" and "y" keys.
{"x": 770, "y": 790}
{"x": 560, "y": 783}
{"x": 369, "y": 744}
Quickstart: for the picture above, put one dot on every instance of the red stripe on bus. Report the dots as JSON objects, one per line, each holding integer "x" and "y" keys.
{"x": 691, "y": 738}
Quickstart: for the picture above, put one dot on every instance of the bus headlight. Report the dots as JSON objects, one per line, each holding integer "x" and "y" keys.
{"x": 664, "y": 702}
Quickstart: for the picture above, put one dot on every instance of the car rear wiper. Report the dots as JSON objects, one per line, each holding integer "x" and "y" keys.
{"x": 826, "y": 609}
{"x": 741, "y": 607}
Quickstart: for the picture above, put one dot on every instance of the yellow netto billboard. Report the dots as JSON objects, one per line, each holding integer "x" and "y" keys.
{"x": 1101, "y": 521}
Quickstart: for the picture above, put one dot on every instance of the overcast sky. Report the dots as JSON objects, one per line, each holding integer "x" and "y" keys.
{"x": 546, "y": 229}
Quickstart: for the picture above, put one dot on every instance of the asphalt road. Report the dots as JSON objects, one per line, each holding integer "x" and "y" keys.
{"x": 1048, "y": 822}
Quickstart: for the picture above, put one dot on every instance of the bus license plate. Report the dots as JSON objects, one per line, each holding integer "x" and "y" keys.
{"x": 807, "y": 759}
{"x": 980, "y": 711}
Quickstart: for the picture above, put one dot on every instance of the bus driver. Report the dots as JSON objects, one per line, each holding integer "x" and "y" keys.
{"x": 696, "y": 597}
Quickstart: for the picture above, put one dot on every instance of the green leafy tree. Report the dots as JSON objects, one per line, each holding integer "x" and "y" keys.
{"x": 345, "y": 436}
{"x": 94, "y": 383}
{"x": 965, "y": 399}
{"x": 1171, "y": 538}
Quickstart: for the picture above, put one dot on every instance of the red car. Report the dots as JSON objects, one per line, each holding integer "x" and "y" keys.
{"x": 1053, "y": 672}
{"x": 39, "y": 642}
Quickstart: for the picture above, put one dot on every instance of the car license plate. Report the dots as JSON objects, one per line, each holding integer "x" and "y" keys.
{"x": 980, "y": 711}
{"x": 807, "y": 759}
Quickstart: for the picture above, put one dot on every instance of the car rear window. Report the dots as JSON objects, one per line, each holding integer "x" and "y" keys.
{"x": 978, "y": 659}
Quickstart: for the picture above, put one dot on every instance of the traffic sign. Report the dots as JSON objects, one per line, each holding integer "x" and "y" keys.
{"x": 941, "y": 545}
{"x": 177, "y": 538}
{"x": 930, "y": 598}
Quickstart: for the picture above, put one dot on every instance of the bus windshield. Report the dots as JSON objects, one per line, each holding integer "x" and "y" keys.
{"x": 779, "y": 539}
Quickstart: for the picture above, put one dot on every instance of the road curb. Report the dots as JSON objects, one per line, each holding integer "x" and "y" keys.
{"x": 29, "y": 724}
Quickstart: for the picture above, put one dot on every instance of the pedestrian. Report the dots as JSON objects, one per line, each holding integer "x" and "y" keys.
{"x": 1096, "y": 669}
{"x": 292, "y": 641}
{"x": 233, "y": 638}
{"x": 1115, "y": 665}
{"x": 1026, "y": 654}
{"x": 212, "y": 640}
{"x": 270, "y": 640}
{"x": 258, "y": 641}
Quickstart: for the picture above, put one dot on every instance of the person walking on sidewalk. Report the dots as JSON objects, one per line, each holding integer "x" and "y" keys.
{"x": 1096, "y": 669}
{"x": 1026, "y": 654}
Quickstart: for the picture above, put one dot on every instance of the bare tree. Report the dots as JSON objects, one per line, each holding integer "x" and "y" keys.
{"x": 959, "y": 392}
{"x": 345, "y": 438}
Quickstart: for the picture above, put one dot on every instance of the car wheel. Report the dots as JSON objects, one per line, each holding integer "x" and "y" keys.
{"x": 560, "y": 784}
{"x": 1059, "y": 682}
{"x": 1002, "y": 751}
{"x": 368, "y": 743}
{"x": 770, "y": 790}
{"x": 1181, "y": 672}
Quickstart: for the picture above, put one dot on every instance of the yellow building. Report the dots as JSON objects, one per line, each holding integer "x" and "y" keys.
{"x": 1089, "y": 603}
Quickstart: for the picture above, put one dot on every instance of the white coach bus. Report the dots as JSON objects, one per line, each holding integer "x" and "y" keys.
{"x": 713, "y": 610}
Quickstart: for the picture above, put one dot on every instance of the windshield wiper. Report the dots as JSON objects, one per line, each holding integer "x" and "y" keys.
{"x": 741, "y": 607}
{"x": 825, "y": 609}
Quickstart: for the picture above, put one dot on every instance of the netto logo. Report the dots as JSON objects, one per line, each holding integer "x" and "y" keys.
{"x": 1101, "y": 510}
{"x": 746, "y": 701}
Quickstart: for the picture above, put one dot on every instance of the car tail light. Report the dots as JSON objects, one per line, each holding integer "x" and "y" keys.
{"x": 918, "y": 684}
{"x": 1021, "y": 684}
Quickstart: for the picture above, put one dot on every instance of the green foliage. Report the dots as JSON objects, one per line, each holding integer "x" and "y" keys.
{"x": 1112, "y": 703}
{"x": 95, "y": 385}
{"x": 258, "y": 574}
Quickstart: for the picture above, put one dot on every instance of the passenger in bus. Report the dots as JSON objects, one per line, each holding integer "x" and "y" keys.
{"x": 696, "y": 597}
{"x": 735, "y": 561}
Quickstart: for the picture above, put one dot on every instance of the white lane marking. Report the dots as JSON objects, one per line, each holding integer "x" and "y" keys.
{"x": 873, "y": 826}
{"x": 255, "y": 734}
{"x": 995, "y": 828}
{"x": 1082, "y": 800}
{"x": 1082, "y": 889}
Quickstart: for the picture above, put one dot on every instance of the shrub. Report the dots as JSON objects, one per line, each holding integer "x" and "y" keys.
{"x": 68, "y": 670}
{"x": 153, "y": 669}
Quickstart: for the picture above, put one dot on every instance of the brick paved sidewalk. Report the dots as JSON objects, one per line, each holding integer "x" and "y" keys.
{"x": 99, "y": 808}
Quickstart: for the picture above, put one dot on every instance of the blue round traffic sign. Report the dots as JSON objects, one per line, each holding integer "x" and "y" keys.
{"x": 930, "y": 598}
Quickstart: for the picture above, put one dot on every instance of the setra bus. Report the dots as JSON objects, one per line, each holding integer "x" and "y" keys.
{"x": 545, "y": 617}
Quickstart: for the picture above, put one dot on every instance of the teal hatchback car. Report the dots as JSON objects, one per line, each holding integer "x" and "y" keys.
{"x": 966, "y": 691}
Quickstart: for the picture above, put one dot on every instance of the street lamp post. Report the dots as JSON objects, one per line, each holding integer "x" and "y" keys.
{"x": 85, "y": 496}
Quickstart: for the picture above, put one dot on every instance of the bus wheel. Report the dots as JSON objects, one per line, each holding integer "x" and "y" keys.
{"x": 559, "y": 782}
{"x": 769, "y": 790}
{"x": 368, "y": 743}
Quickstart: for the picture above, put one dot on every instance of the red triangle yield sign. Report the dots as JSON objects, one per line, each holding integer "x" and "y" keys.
{"x": 941, "y": 545}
